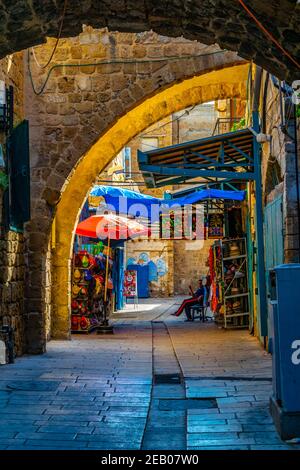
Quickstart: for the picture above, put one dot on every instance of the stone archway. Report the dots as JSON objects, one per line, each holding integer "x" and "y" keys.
{"x": 79, "y": 105}
{"x": 230, "y": 82}
{"x": 27, "y": 23}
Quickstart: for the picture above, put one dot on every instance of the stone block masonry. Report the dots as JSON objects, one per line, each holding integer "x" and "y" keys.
{"x": 12, "y": 261}
{"x": 26, "y": 23}
{"x": 12, "y": 271}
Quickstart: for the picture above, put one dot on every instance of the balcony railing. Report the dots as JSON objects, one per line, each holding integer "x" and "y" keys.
{"x": 224, "y": 125}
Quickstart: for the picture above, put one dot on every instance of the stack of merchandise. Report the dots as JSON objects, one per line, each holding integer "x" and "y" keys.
{"x": 229, "y": 307}
{"x": 88, "y": 283}
{"x": 234, "y": 250}
{"x": 236, "y": 307}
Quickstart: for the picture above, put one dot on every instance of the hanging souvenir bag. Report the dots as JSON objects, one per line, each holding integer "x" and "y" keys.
{"x": 74, "y": 306}
{"x": 100, "y": 264}
{"x": 92, "y": 261}
{"x": 75, "y": 290}
{"x": 94, "y": 321}
{"x": 84, "y": 323}
{"x": 74, "y": 323}
{"x": 88, "y": 275}
{"x": 84, "y": 308}
{"x": 99, "y": 286}
{"x": 77, "y": 261}
{"x": 77, "y": 275}
{"x": 85, "y": 261}
{"x": 83, "y": 291}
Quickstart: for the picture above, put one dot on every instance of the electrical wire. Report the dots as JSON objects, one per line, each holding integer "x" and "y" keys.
{"x": 268, "y": 34}
{"x": 111, "y": 62}
{"x": 57, "y": 40}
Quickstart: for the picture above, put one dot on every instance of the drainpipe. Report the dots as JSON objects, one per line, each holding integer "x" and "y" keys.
{"x": 260, "y": 254}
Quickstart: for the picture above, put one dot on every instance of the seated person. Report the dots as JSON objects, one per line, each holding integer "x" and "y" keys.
{"x": 196, "y": 299}
{"x": 208, "y": 290}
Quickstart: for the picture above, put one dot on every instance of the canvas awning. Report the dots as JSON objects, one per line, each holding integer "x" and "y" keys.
{"x": 132, "y": 203}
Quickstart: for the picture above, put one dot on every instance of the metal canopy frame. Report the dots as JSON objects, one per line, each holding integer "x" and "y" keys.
{"x": 225, "y": 159}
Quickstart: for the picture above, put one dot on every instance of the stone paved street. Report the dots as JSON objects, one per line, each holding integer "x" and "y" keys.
{"x": 210, "y": 389}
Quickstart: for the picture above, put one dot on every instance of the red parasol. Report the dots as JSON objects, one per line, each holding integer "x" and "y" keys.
{"x": 110, "y": 226}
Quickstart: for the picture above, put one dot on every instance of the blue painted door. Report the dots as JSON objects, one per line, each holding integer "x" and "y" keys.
{"x": 142, "y": 279}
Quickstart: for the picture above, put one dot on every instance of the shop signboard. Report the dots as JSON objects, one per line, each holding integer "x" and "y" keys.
{"x": 130, "y": 283}
{"x": 182, "y": 224}
{"x": 215, "y": 225}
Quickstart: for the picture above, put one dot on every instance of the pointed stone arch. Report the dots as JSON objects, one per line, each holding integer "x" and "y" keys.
{"x": 228, "y": 83}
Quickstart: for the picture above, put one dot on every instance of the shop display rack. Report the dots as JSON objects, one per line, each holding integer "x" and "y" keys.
{"x": 232, "y": 277}
{"x": 83, "y": 322}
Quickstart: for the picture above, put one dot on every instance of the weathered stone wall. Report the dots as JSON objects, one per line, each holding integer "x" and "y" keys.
{"x": 26, "y": 23}
{"x": 281, "y": 152}
{"x": 12, "y": 271}
{"x": 12, "y": 262}
{"x": 190, "y": 260}
{"x": 156, "y": 250}
{"x": 199, "y": 122}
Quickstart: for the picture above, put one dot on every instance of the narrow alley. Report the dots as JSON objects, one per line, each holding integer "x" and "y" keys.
{"x": 156, "y": 383}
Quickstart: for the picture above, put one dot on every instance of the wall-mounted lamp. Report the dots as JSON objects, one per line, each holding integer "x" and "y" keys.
{"x": 262, "y": 138}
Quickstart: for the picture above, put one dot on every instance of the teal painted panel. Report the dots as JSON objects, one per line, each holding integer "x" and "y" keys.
{"x": 274, "y": 233}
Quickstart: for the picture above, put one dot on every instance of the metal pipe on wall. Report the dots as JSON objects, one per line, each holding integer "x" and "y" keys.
{"x": 259, "y": 229}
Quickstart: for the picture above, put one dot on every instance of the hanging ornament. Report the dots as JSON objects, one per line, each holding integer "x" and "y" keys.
{"x": 85, "y": 261}
{"x": 88, "y": 275}
{"x": 74, "y": 323}
{"x": 84, "y": 323}
{"x": 83, "y": 291}
{"x": 75, "y": 290}
{"x": 74, "y": 306}
{"x": 77, "y": 275}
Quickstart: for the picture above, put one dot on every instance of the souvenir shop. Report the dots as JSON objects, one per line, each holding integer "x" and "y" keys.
{"x": 228, "y": 268}
{"x": 98, "y": 268}
{"x": 97, "y": 277}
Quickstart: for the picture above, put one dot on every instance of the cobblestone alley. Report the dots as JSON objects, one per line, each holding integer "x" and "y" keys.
{"x": 157, "y": 383}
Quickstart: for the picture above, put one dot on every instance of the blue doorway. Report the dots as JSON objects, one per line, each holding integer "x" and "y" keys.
{"x": 142, "y": 279}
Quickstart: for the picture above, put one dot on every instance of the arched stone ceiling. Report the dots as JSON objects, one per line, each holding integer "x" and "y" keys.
{"x": 25, "y": 23}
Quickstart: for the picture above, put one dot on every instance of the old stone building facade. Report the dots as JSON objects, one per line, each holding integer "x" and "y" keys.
{"x": 279, "y": 163}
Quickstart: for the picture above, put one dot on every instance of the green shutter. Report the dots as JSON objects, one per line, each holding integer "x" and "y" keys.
{"x": 19, "y": 176}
